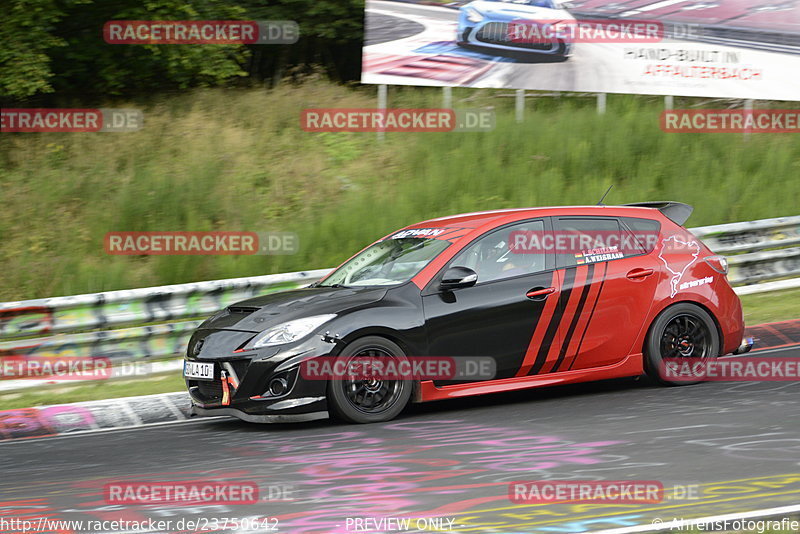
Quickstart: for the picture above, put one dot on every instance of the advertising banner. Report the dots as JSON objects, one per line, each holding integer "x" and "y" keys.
{"x": 723, "y": 48}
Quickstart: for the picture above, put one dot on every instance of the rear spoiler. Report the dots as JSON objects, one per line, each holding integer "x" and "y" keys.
{"x": 676, "y": 212}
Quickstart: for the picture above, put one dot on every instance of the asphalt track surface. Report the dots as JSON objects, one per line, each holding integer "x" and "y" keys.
{"x": 736, "y": 444}
{"x": 384, "y": 28}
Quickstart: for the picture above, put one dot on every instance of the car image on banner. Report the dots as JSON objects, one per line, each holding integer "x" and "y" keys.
{"x": 486, "y": 23}
{"x": 723, "y": 49}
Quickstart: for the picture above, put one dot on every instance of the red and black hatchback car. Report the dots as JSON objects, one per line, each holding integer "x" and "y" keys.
{"x": 547, "y": 296}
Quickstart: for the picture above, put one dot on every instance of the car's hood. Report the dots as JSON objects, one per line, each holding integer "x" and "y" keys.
{"x": 503, "y": 11}
{"x": 259, "y": 313}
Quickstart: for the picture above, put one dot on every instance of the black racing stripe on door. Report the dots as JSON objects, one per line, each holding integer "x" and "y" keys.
{"x": 535, "y": 318}
{"x": 552, "y": 328}
{"x": 589, "y": 322}
{"x": 575, "y": 318}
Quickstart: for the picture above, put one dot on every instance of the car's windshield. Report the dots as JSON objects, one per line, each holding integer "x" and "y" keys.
{"x": 389, "y": 262}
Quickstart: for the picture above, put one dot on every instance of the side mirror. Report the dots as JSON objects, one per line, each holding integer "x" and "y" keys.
{"x": 458, "y": 277}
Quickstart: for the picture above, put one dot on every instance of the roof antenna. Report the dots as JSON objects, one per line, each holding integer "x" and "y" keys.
{"x": 605, "y": 195}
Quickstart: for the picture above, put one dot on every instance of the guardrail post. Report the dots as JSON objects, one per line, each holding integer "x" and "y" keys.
{"x": 519, "y": 102}
{"x": 669, "y": 102}
{"x": 748, "y": 106}
{"x": 601, "y": 103}
{"x": 381, "y": 105}
{"x": 447, "y": 97}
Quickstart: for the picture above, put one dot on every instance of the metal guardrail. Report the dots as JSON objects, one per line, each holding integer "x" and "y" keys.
{"x": 139, "y": 306}
{"x": 752, "y": 235}
{"x": 91, "y": 325}
{"x": 70, "y": 318}
{"x": 757, "y": 251}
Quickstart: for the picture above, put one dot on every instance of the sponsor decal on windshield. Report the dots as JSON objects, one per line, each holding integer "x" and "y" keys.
{"x": 419, "y": 232}
{"x": 445, "y": 234}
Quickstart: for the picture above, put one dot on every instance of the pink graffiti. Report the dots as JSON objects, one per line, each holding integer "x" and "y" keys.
{"x": 39, "y": 422}
{"x": 388, "y": 476}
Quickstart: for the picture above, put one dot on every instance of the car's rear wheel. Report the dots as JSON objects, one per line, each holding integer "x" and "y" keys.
{"x": 370, "y": 400}
{"x": 684, "y": 330}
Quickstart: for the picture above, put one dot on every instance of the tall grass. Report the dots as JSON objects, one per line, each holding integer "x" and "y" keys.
{"x": 238, "y": 160}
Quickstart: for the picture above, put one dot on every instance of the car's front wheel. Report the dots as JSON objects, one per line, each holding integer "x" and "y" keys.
{"x": 684, "y": 330}
{"x": 362, "y": 399}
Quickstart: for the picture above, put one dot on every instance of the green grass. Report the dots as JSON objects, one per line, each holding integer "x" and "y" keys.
{"x": 238, "y": 160}
{"x": 771, "y": 307}
{"x": 101, "y": 389}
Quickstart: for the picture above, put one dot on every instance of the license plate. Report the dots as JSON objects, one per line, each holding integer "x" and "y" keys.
{"x": 198, "y": 370}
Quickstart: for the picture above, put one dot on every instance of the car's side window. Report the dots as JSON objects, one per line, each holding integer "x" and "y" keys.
{"x": 494, "y": 257}
{"x": 583, "y": 240}
{"x": 646, "y": 232}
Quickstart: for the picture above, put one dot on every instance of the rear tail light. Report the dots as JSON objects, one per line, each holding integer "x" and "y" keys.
{"x": 718, "y": 263}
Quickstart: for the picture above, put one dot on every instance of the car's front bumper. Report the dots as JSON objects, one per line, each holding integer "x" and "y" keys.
{"x": 493, "y": 34}
{"x": 256, "y": 418}
{"x": 241, "y": 385}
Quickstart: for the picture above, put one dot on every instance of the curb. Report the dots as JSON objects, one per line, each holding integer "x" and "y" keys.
{"x": 775, "y": 335}
{"x": 126, "y": 412}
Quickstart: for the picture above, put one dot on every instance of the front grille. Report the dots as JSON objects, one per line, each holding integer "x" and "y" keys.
{"x": 209, "y": 390}
{"x": 497, "y": 33}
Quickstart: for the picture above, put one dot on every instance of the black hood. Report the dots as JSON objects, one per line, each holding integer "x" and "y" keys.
{"x": 259, "y": 313}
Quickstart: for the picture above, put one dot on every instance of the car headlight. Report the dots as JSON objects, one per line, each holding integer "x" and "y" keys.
{"x": 291, "y": 330}
{"x": 473, "y": 15}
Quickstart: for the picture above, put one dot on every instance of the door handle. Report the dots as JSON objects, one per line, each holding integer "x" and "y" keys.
{"x": 639, "y": 273}
{"x": 540, "y": 293}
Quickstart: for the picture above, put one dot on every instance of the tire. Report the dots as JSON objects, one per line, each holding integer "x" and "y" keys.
{"x": 562, "y": 54}
{"x": 393, "y": 395}
{"x": 682, "y": 330}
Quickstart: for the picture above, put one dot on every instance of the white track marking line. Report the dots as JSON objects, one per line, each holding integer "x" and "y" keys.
{"x": 651, "y": 7}
{"x": 684, "y": 523}
{"x": 413, "y": 7}
{"x": 667, "y": 429}
{"x": 765, "y": 350}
